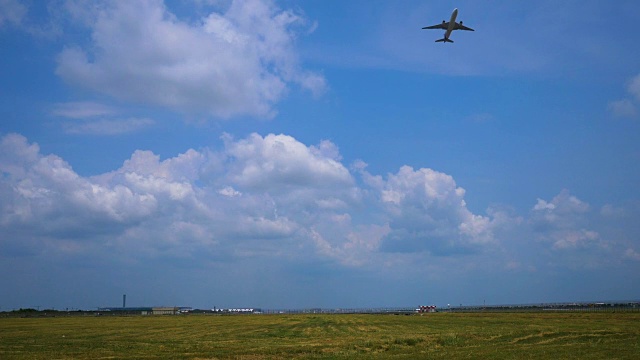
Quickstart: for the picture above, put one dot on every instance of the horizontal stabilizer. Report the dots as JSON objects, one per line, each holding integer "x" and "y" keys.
{"x": 444, "y": 40}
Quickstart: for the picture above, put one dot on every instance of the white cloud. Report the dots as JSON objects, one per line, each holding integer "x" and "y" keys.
{"x": 185, "y": 167}
{"x": 623, "y": 108}
{"x": 634, "y": 87}
{"x": 16, "y": 155}
{"x": 563, "y": 222}
{"x": 229, "y": 191}
{"x": 231, "y": 64}
{"x": 108, "y": 126}
{"x": 97, "y": 119}
{"x": 628, "y": 107}
{"x": 574, "y": 238}
{"x": 609, "y": 210}
{"x": 260, "y": 196}
{"x": 271, "y": 202}
{"x": 12, "y": 12}
{"x": 26, "y": 16}
{"x": 82, "y": 109}
{"x": 276, "y": 198}
{"x": 632, "y": 254}
{"x": 427, "y": 212}
{"x": 543, "y": 205}
{"x": 280, "y": 161}
{"x": 48, "y": 195}
{"x": 350, "y": 245}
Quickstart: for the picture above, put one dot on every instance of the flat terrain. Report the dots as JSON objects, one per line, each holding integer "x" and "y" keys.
{"x": 431, "y": 336}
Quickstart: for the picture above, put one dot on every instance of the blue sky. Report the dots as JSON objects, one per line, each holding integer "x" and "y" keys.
{"x": 318, "y": 154}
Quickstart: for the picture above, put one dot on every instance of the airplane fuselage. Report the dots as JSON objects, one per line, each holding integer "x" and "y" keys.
{"x": 449, "y": 27}
{"x": 452, "y": 23}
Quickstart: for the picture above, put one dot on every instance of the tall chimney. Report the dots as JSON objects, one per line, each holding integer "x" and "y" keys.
{"x": 124, "y": 300}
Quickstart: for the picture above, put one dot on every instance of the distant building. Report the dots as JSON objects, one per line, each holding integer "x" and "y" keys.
{"x": 142, "y": 310}
{"x": 165, "y": 310}
{"x": 237, "y": 311}
{"x": 426, "y": 309}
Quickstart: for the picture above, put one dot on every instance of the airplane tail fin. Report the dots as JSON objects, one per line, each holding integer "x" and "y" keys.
{"x": 444, "y": 40}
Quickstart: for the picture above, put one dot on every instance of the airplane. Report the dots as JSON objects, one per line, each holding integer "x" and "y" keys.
{"x": 449, "y": 27}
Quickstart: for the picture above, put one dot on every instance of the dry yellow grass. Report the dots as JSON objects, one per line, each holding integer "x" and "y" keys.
{"x": 433, "y": 336}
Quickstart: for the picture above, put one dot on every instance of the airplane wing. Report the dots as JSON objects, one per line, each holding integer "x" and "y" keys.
{"x": 459, "y": 26}
{"x": 442, "y": 25}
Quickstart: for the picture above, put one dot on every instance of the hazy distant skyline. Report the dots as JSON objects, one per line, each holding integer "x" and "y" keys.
{"x": 282, "y": 154}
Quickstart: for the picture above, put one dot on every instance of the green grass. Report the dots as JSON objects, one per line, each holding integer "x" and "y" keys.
{"x": 432, "y": 336}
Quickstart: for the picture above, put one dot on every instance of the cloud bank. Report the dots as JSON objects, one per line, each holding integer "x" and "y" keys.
{"x": 270, "y": 197}
{"x": 271, "y": 192}
{"x": 272, "y": 210}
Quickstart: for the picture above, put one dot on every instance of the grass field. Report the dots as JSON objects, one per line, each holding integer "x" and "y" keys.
{"x": 431, "y": 336}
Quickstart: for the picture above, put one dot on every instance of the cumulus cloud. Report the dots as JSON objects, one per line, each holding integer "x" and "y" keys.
{"x": 259, "y": 196}
{"x": 427, "y": 212}
{"x": 283, "y": 161}
{"x": 235, "y": 63}
{"x": 44, "y": 194}
{"x": 272, "y": 198}
{"x": 563, "y": 222}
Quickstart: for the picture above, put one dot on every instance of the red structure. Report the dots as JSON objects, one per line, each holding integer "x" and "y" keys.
{"x": 426, "y": 309}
